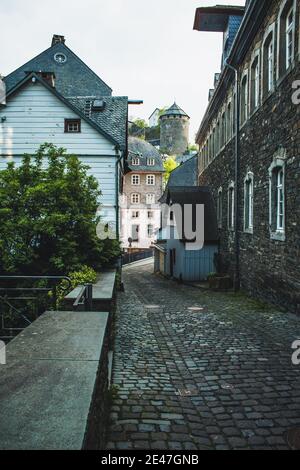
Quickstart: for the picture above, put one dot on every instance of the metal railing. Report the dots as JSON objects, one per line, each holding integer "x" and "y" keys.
{"x": 84, "y": 299}
{"x": 23, "y": 294}
{"x": 128, "y": 258}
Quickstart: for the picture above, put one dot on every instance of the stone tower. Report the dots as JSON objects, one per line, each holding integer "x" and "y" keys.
{"x": 174, "y": 131}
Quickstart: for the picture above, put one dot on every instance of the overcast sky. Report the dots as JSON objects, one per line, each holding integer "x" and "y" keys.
{"x": 142, "y": 49}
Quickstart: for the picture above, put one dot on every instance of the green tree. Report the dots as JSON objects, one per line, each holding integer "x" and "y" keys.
{"x": 193, "y": 147}
{"x": 141, "y": 123}
{"x": 170, "y": 164}
{"x": 48, "y": 216}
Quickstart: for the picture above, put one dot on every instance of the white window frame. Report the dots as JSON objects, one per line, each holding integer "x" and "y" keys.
{"x": 284, "y": 63}
{"x": 244, "y": 103}
{"x": 249, "y": 203}
{"x": 280, "y": 203}
{"x": 135, "y": 215}
{"x": 135, "y": 161}
{"x": 231, "y": 206}
{"x": 137, "y": 231}
{"x": 150, "y": 235}
{"x": 135, "y": 198}
{"x": 150, "y": 198}
{"x": 135, "y": 180}
{"x": 254, "y": 85}
{"x": 151, "y": 161}
{"x": 277, "y": 230}
{"x": 289, "y": 38}
{"x": 220, "y": 208}
{"x": 229, "y": 121}
{"x": 268, "y": 62}
{"x": 150, "y": 180}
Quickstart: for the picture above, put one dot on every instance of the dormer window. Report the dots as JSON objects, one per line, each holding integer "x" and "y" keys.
{"x": 135, "y": 161}
{"x": 72, "y": 126}
{"x": 151, "y": 161}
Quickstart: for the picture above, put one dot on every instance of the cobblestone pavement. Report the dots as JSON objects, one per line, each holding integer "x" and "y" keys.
{"x": 220, "y": 377}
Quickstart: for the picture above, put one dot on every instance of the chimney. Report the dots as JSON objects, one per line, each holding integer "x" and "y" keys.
{"x": 57, "y": 39}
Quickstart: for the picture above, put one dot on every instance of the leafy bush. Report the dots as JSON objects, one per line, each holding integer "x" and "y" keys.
{"x": 48, "y": 216}
{"x": 78, "y": 278}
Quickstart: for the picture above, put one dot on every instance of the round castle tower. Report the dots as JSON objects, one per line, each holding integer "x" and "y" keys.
{"x": 174, "y": 131}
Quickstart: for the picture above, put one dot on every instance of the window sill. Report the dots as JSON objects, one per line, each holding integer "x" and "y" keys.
{"x": 248, "y": 231}
{"x": 279, "y": 236}
{"x": 267, "y": 96}
{"x": 254, "y": 111}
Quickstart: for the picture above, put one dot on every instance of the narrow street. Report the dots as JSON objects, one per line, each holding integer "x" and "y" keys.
{"x": 199, "y": 370}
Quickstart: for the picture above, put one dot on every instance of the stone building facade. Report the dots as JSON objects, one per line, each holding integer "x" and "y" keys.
{"x": 257, "y": 191}
{"x": 174, "y": 131}
{"x": 142, "y": 190}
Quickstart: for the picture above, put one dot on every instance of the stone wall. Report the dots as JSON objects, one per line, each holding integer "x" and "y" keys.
{"x": 270, "y": 269}
{"x": 174, "y": 135}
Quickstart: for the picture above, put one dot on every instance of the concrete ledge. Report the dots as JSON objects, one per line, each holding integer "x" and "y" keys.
{"x": 103, "y": 293}
{"x": 53, "y": 388}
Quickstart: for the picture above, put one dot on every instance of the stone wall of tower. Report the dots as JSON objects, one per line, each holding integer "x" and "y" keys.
{"x": 174, "y": 134}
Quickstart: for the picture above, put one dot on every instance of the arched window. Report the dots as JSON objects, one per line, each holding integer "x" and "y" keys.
{"x": 286, "y": 39}
{"x": 277, "y": 199}
{"x": 218, "y": 138}
{"x": 229, "y": 121}
{"x": 220, "y": 208}
{"x": 255, "y": 84}
{"x": 268, "y": 64}
{"x": 231, "y": 206}
{"x": 244, "y": 99}
{"x": 223, "y": 130}
{"x": 248, "y": 202}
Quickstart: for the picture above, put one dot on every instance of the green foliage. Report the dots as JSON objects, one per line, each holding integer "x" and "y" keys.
{"x": 85, "y": 276}
{"x": 193, "y": 147}
{"x": 48, "y": 216}
{"x": 170, "y": 164}
{"x": 141, "y": 123}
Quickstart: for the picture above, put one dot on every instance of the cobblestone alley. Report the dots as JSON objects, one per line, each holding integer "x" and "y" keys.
{"x": 199, "y": 370}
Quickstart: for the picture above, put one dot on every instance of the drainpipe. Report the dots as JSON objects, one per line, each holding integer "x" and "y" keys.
{"x": 237, "y": 280}
{"x": 118, "y": 165}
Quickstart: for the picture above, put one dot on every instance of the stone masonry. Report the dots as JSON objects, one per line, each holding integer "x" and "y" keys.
{"x": 269, "y": 268}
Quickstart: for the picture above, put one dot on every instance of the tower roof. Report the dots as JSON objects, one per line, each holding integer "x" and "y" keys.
{"x": 174, "y": 110}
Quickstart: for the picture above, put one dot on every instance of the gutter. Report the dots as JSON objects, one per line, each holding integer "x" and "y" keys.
{"x": 118, "y": 167}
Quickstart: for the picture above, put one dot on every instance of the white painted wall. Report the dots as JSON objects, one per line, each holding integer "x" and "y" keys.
{"x": 35, "y": 116}
{"x": 127, "y": 222}
{"x": 154, "y": 119}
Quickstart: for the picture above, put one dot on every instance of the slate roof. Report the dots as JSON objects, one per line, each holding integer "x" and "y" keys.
{"x": 142, "y": 148}
{"x": 73, "y": 78}
{"x": 77, "y": 83}
{"x": 174, "y": 110}
{"x": 113, "y": 119}
{"x": 234, "y": 23}
{"x": 186, "y": 174}
{"x": 197, "y": 195}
